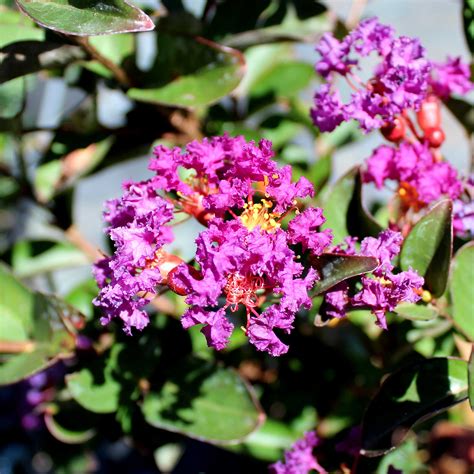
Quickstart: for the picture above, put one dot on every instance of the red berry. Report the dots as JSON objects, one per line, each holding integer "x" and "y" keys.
{"x": 435, "y": 136}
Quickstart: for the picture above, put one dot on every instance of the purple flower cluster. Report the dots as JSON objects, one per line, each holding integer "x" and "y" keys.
{"x": 422, "y": 179}
{"x": 128, "y": 280}
{"x": 381, "y": 291}
{"x": 300, "y": 459}
{"x": 245, "y": 257}
{"x": 401, "y": 80}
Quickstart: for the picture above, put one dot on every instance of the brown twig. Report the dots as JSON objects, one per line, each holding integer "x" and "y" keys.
{"x": 355, "y": 13}
{"x": 16, "y": 347}
{"x": 116, "y": 70}
{"x": 77, "y": 239}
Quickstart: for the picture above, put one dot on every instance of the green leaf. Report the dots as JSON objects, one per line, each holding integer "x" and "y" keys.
{"x": 405, "y": 459}
{"x": 97, "y": 396}
{"x": 470, "y": 376}
{"x": 60, "y": 255}
{"x": 291, "y": 29}
{"x": 204, "y": 87}
{"x": 468, "y": 18}
{"x": 334, "y": 268}
{"x": 26, "y": 57}
{"x": 360, "y": 223}
{"x": 285, "y": 79}
{"x": 461, "y": 288}
{"x": 416, "y": 312}
{"x": 268, "y": 442}
{"x": 463, "y": 111}
{"x": 345, "y": 214}
{"x": 428, "y": 247}
{"x": 66, "y": 435}
{"x": 15, "y": 27}
{"x": 12, "y": 98}
{"x": 206, "y": 403}
{"x": 87, "y": 17}
{"x": 40, "y": 329}
{"x": 410, "y": 395}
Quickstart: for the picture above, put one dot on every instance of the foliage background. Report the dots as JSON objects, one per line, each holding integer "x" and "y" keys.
{"x": 72, "y": 128}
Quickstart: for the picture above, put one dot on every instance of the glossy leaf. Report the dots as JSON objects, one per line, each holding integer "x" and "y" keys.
{"x": 204, "y": 87}
{"x": 461, "y": 288}
{"x": 416, "y": 312}
{"x": 38, "y": 330}
{"x": 97, "y": 396}
{"x": 360, "y": 223}
{"x": 428, "y": 247}
{"x": 463, "y": 111}
{"x": 87, "y": 17}
{"x": 408, "y": 396}
{"x": 210, "y": 404}
{"x": 336, "y": 204}
{"x": 334, "y": 268}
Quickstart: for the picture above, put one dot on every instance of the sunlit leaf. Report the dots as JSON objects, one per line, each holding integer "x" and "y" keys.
{"x": 98, "y": 396}
{"x": 461, "y": 288}
{"x": 206, "y": 403}
{"x": 334, "y": 268}
{"x": 428, "y": 247}
{"x": 40, "y": 330}
{"x": 87, "y": 17}
{"x": 204, "y": 87}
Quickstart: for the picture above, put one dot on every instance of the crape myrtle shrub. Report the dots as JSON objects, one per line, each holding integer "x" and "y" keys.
{"x": 250, "y": 307}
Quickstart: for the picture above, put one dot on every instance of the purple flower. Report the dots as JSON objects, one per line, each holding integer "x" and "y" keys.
{"x": 385, "y": 293}
{"x": 398, "y": 82}
{"x": 303, "y": 229}
{"x": 337, "y": 300}
{"x": 382, "y": 290}
{"x": 384, "y": 248}
{"x": 245, "y": 267}
{"x": 451, "y": 77}
{"x": 422, "y": 179}
{"x": 463, "y": 218}
{"x": 128, "y": 280}
{"x": 327, "y": 113}
{"x": 334, "y": 56}
{"x": 300, "y": 459}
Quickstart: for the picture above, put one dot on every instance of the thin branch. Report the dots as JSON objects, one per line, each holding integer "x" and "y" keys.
{"x": 116, "y": 70}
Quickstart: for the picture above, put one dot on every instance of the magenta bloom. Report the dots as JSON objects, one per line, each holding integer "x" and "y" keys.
{"x": 382, "y": 290}
{"x": 422, "y": 179}
{"x": 399, "y": 81}
{"x": 244, "y": 267}
{"x": 300, "y": 459}
{"x": 128, "y": 280}
{"x": 451, "y": 77}
{"x": 303, "y": 229}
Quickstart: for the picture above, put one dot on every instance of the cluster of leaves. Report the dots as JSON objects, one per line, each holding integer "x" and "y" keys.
{"x": 226, "y": 67}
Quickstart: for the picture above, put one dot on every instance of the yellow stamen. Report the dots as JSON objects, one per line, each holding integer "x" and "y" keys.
{"x": 257, "y": 215}
{"x": 426, "y": 296}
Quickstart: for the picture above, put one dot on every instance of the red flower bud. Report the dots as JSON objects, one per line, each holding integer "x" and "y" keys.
{"x": 429, "y": 115}
{"x": 394, "y": 131}
{"x": 435, "y": 136}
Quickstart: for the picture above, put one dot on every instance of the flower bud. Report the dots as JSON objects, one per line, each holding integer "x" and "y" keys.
{"x": 429, "y": 115}
{"x": 435, "y": 136}
{"x": 394, "y": 131}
